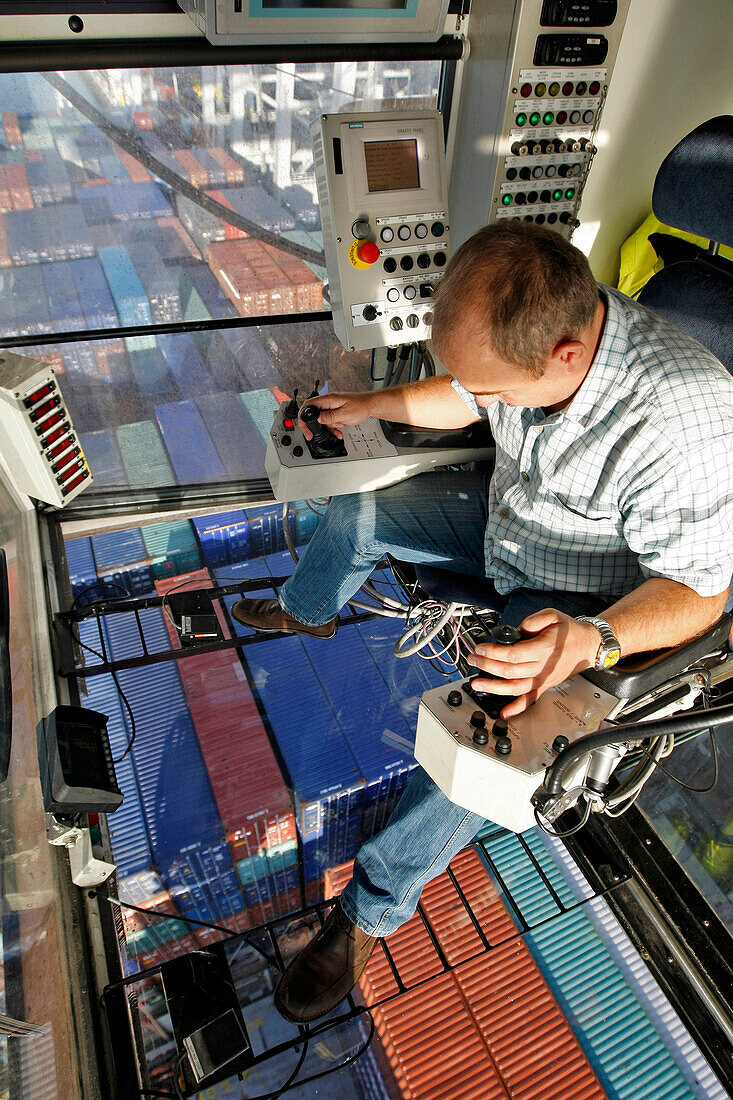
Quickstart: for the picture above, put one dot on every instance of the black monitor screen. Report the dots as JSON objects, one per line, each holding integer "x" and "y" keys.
{"x": 391, "y": 165}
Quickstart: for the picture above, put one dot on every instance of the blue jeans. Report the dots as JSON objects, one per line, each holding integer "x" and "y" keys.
{"x": 439, "y": 519}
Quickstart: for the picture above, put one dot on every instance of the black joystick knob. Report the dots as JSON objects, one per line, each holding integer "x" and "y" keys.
{"x": 502, "y": 746}
{"x": 504, "y": 634}
{"x": 478, "y": 719}
{"x": 291, "y": 409}
{"x": 500, "y": 727}
{"x": 314, "y": 392}
{"x": 492, "y": 704}
{"x": 561, "y": 742}
{"x": 481, "y": 736}
{"x": 324, "y": 443}
{"x": 455, "y": 698}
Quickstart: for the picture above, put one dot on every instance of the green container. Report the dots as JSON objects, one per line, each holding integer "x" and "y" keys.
{"x": 272, "y": 860}
{"x": 172, "y": 548}
{"x": 144, "y": 456}
{"x": 154, "y": 935}
{"x": 260, "y": 405}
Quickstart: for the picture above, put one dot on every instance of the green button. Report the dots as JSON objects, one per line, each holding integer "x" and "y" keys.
{"x": 521, "y": 119}
{"x": 570, "y": 193}
{"x": 548, "y": 118}
{"x": 534, "y": 118}
{"x": 557, "y": 194}
{"x": 507, "y": 200}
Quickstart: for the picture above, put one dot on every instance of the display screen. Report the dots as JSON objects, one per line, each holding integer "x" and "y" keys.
{"x": 391, "y": 165}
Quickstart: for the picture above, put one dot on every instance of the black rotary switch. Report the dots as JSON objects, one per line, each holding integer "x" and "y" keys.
{"x": 455, "y": 698}
{"x": 480, "y": 736}
{"x": 561, "y": 742}
{"x": 297, "y": 451}
{"x": 286, "y": 441}
{"x": 502, "y": 746}
{"x": 370, "y": 313}
{"x": 324, "y": 443}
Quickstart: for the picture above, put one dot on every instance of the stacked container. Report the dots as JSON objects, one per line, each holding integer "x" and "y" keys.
{"x": 190, "y": 448}
{"x": 261, "y": 280}
{"x": 233, "y": 169}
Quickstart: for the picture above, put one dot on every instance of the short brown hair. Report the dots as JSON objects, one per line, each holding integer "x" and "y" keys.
{"x": 524, "y": 287}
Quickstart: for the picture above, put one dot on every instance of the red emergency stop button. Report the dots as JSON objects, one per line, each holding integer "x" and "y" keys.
{"x": 363, "y": 253}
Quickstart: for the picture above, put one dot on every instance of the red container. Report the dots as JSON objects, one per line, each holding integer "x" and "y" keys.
{"x": 196, "y": 172}
{"x": 253, "y": 802}
{"x": 134, "y": 168}
{"x": 166, "y": 951}
{"x": 336, "y": 878}
{"x": 20, "y": 192}
{"x": 261, "y": 280}
{"x": 143, "y": 120}
{"x": 5, "y": 260}
{"x": 12, "y": 129}
{"x": 234, "y": 170}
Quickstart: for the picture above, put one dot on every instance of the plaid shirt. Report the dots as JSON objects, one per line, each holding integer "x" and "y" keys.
{"x": 634, "y": 479}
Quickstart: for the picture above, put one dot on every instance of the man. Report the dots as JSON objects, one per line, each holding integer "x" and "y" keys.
{"x": 611, "y": 497}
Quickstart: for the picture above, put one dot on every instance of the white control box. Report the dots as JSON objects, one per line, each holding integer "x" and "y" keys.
{"x": 383, "y": 198}
{"x": 496, "y": 784}
{"x": 37, "y": 438}
{"x": 366, "y": 461}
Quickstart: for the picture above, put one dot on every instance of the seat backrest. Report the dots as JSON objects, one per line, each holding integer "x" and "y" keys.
{"x": 693, "y": 191}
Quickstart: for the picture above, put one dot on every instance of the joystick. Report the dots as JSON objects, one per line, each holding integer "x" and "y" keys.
{"x": 324, "y": 443}
{"x": 291, "y": 409}
{"x": 492, "y": 704}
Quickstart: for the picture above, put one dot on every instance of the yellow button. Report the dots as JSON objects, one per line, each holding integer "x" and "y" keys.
{"x": 525, "y": 475}
{"x": 504, "y": 513}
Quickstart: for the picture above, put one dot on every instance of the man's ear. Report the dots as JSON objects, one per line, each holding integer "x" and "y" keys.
{"x": 569, "y": 354}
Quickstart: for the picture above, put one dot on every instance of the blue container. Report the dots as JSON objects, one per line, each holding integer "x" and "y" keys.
{"x": 113, "y": 169}
{"x": 121, "y": 559}
{"x": 81, "y": 567}
{"x": 213, "y": 297}
{"x": 63, "y": 301}
{"x": 172, "y": 548}
{"x": 160, "y": 283}
{"x": 151, "y": 374}
{"x": 238, "y": 445}
{"x": 216, "y": 172}
{"x": 185, "y": 364}
{"x": 30, "y": 301}
{"x": 188, "y": 443}
{"x": 203, "y": 881}
{"x": 254, "y": 363}
{"x": 95, "y": 206}
{"x": 223, "y": 538}
{"x": 104, "y": 458}
{"x": 93, "y": 290}
{"x": 130, "y": 841}
{"x": 174, "y": 787}
{"x": 263, "y": 209}
{"x": 127, "y": 290}
{"x": 260, "y": 406}
{"x": 264, "y": 889}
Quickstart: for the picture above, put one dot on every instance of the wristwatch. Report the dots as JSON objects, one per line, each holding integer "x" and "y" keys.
{"x": 610, "y": 650}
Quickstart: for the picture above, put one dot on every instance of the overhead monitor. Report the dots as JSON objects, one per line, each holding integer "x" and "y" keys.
{"x": 238, "y": 22}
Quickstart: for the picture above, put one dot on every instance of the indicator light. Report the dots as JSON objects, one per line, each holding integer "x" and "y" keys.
{"x": 532, "y": 196}
{"x": 551, "y": 219}
{"x": 288, "y": 423}
{"x": 594, "y": 88}
{"x": 570, "y": 193}
{"x": 66, "y": 460}
{"x": 525, "y": 90}
{"x": 567, "y": 88}
{"x": 546, "y": 196}
{"x": 588, "y": 117}
{"x": 574, "y": 117}
{"x": 511, "y": 173}
{"x": 60, "y": 448}
{"x": 53, "y": 437}
{"x": 540, "y": 89}
{"x": 557, "y": 194}
{"x": 540, "y": 219}
{"x": 548, "y": 118}
{"x": 44, "y": 391}
{"x": 581, "y": 87}
{"x": 70, "y": 471}
{"x": 49, "y": 422}
{"x": 562, "y": 118}
{"x": 534, "y": 118}
{"x": 520, "y": 198}
{"x": 46, "y": 407}
{"x": 525, "y": 173}
{"x": 507, "y": 200}
{"x": 521, "y": 119}
{"x": 66, "y": 489}
{"x": 554, "y": 88}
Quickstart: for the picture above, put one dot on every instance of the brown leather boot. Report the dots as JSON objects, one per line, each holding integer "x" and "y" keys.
{"x": 267, "y": 615}
{"x": 325, "y": 971}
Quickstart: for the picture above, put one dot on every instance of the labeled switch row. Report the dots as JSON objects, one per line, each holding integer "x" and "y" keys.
{"x": 566, "y": 89}
{"x": 407, "y": 263}
{"x": 547, "y": 118}
{"x": 551, "y": 219}
{"x": 522, "y": 197}
{"x": 546, "y": 171}
{"x": 546, "y": 146}
{"x": 412, "y": 321}
{"x": 404, "y": 232}
{"x": 410, "y": 291}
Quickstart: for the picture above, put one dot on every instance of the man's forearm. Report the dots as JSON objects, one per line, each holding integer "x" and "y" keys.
{"x": 432, "y": 403}
{"x": 661, "y": 613}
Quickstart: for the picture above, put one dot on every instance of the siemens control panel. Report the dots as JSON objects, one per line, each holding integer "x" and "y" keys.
{"x": 384, "y": 212}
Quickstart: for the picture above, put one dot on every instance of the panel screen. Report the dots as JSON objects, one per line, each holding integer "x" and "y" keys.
{"x": 391, "y": 165}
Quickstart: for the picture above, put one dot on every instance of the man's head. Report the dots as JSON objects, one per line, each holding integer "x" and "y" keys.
{"x": 514, "y": 298}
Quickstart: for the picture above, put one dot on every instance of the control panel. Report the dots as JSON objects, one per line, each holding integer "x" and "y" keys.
{"x": 384, "y": 211}
{"x": 493, "y": 767}
{"x": 37, "y": 438}
{"x": 562, "y": 62}
{"x": 371, "y": 455}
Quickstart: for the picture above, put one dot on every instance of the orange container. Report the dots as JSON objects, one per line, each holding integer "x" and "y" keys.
{"x": 234, "y": 170}
{"x": 197, "y": 174}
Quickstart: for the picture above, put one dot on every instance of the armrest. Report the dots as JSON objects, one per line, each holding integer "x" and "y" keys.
{"x": 643, "y": 672}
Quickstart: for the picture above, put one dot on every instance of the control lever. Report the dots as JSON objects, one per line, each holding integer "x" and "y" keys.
{"x": 324, "y": 443}
{"x": 492, "y": 704}
{"x": 316, "y": 389}
{"x": 291, "y": 409}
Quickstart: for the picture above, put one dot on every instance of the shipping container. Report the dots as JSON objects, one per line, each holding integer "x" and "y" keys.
{"x": 47, "y": 233}
{"x": 189, "y": 445}
{"x": 30, "y": 301}
{"x": 231, "y": 232}
{"x": 201, "y": 295}
{"x": 223, "y": 538}
{"x": 48, "y": 179}
{"x": 237, "y": 443}
{"x": 12, "y": 129}
{"x": 80, "y": 565}
{"x": 254, "y": 362}
{"x": 261, "y": 280}
{"x": 203, "y": 226}
{"x": 121, "y": 557}
{"x": 104, "y": 458}
{"x": 133, "y": 167}
{"x": 261, "y": 406}
{"x": 176, "y": 242}
{"x": 185, "y": 364}
{"x": 16, "y": 181}
{"x": 143, "y": 120}
{"x": 127, "y": 290}
{"x": 263, "y": 209}
{"x": 233, "y": 169}
{"x": 195, "y": 171}
{"x": 91, "y": 284}
{"x": 157, "y": 279}
{"x": 303, "y": 205}
{"x": 171, "y": 547}
{"x": 64, "y": 305}
{"x": 144, "y": 456}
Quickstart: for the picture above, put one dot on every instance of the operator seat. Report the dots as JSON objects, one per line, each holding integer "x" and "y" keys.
{"x": 696, "y": 294}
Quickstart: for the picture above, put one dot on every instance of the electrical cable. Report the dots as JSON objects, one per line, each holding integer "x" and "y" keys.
{"x": 402, "y": 650}
{"x": 133, "y": 727}
{"x": 566, "y": 832}
{"x": 687, "y": 786}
